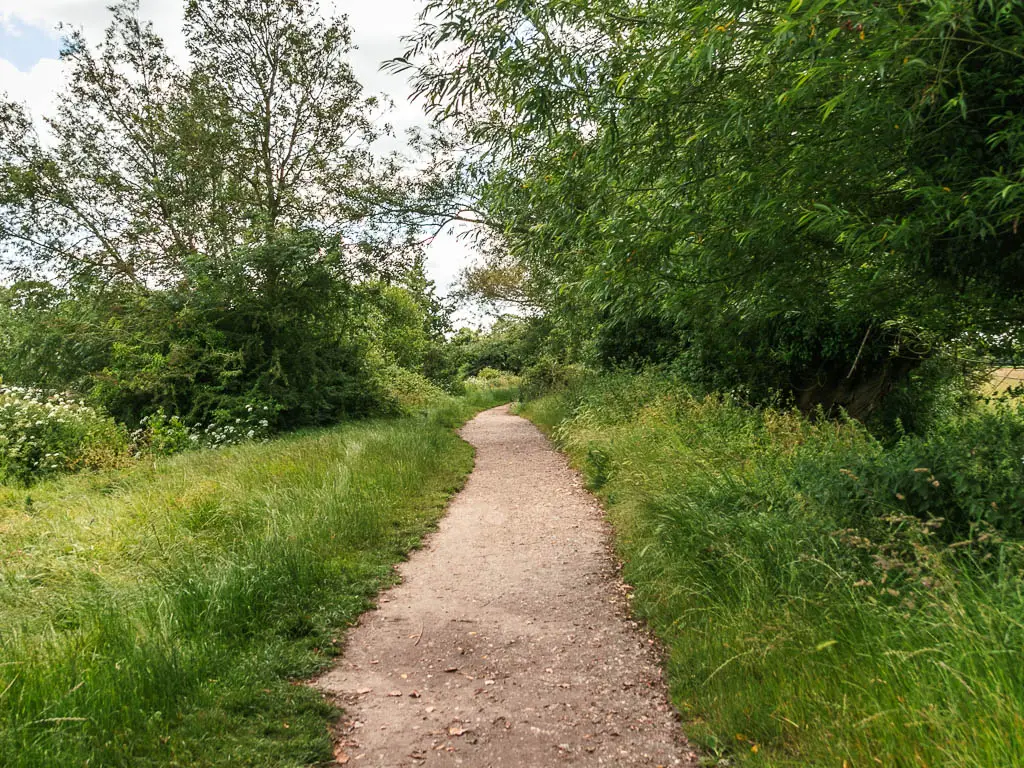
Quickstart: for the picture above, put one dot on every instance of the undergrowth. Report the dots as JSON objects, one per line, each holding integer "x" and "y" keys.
{"x": 825, "y": 600}
{"x": 158, "y": 615}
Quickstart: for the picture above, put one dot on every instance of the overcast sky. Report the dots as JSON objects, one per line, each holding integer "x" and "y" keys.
{"x": 31, "y": 73}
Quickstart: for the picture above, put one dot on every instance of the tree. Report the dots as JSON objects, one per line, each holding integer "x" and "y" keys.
{"x": 222, "y": 220}
{"x": 807, "y": 197}
{"x": 151, "y": 164}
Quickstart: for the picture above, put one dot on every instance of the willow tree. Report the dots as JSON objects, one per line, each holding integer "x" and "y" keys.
{"x": 805, "y": 196}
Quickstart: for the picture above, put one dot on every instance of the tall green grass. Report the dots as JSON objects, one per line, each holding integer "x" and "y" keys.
{"x": 809, "y": 619}
{"x": 491, "y": 388}
{"x": 158, "y": 615}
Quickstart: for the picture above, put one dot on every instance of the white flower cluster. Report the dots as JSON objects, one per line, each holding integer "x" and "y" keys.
{"x": 255, "y": 426}
{"x": 44, "y": 432}
{"x": 165, "y": 435}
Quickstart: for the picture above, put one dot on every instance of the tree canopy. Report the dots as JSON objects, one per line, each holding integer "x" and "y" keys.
{"x": 811, "y": 197}
{"x": 198, "y": 236}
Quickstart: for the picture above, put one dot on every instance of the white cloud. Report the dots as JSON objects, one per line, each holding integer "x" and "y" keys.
{"x": 378, "y": 26}
{"x": 89, "y": 15}
{"x": 37, "y": 88}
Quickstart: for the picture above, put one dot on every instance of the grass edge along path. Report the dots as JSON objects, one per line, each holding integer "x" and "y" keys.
{"x": 792, "y": 637}
{"x": 161, "y": 615}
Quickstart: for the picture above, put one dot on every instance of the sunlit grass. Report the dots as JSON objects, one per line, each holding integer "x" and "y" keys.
{"x": 1003, "y": 381}
{"x": 156, "y": 615}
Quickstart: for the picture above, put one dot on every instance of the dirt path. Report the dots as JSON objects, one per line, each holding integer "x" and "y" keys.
{"x": 508, "y": 642}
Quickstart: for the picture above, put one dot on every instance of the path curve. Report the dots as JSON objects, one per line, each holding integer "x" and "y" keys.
{"x": 508, "y": 642}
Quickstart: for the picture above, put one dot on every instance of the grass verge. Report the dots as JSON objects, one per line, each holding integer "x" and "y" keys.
{"x": 159, "y": 615}
{"x": 809, "y": 621}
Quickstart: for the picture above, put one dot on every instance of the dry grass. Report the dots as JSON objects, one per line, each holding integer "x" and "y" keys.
{"x": 1003, "y": 380}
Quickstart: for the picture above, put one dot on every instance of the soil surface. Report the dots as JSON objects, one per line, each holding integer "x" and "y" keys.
{"x": 508, "y": 642}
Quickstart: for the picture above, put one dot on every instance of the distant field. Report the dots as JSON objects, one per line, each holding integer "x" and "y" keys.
{"x": 1005, "y": 378}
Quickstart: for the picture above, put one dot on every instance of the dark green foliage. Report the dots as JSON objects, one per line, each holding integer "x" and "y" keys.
{"x": 798, "y": 198}
{"x": 510, "y": 344}
{"x": 967, "y": 473}
{"x": 548, "y": 376}
{"x": 283, "y": 325}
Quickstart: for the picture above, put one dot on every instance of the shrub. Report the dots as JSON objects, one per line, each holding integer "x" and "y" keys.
{"x": 163, "y": 435}
{"x": 968, "y": 471}
{"x": 46, "y": 433}
{"x": 253, "y": 421}
{"x": 405, "y": 392}
{"x": 491, "y": 374}
{"x": 548, "y": 375}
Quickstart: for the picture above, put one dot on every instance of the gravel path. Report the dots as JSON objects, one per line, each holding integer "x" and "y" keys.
{"x": 508, "y": 642}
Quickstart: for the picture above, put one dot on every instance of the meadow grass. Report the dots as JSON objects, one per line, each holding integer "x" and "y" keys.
{"x": 802, "y": 626}
{"x": 160, "y": 615}
{"x": 490, "y": 392}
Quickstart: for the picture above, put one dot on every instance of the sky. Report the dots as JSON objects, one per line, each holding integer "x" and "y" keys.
{"x": 31, "y": 72}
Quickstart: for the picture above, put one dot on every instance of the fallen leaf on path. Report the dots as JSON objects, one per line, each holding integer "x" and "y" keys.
{"x": 339, "y": 756}
{"x": 395, "y": 693}
{"x": 456, "y": 731}
{"x": 363, "y": 691}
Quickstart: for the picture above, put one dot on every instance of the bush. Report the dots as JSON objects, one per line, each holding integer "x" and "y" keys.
{"x": 162, "y": 435}
{"x": 405, "y": 392}
{"x": 45, "y": 433}
{"x": 491, "y": 374}
{"x": 547, "y": 375}
{"x": 967, "y": 473}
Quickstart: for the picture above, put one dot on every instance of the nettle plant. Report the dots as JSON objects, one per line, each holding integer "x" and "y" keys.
{"x": 45, "y": 433}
